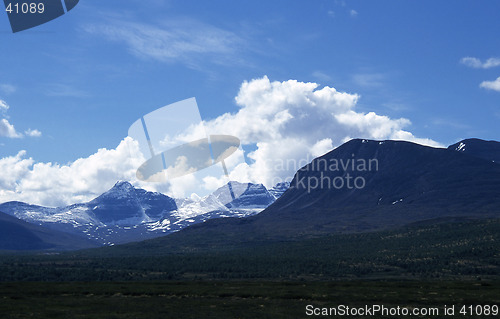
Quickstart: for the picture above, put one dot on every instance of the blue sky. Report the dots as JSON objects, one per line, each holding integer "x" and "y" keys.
{"x": 77, "y": 83}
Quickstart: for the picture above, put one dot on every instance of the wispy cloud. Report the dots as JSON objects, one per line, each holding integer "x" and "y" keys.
{"x": 64, "y": 90}
{"x": 186, "y": 41}
{"x": 353, "y": 13}
{"x": 321, "y": 76}
{"x": 3, "y": 106}
{"x": 491, "y": 85}
{"x": 451, "y": 123}
{"x": 476, "y": 63}
{"x": 7, "y": 88}
{"x": 369, "y": 79}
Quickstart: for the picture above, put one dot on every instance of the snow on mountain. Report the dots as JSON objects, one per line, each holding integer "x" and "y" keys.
{"x": 488, "y": 150}
{"x": 279, "y": 189}
{"x": 125, "y": 205}
{"x": 125, "y": 213}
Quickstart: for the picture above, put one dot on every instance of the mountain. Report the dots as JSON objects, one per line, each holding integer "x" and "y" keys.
{"x": 362, "y": 186}
{"x": 489, "y": 150}
{"x": 371, "y": 185}
{"x": 250, "y": 195}
{"x": 279, "y": 189}
{"x": 16, "y": 234}
{"x": 125, "y": 213}
{"x": 125, "y": 204}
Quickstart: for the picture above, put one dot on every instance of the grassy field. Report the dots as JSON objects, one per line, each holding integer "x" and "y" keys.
{"x": 460, "y": 251}
{"x": 424, "y": 266}
{"x": 227, "y": 299}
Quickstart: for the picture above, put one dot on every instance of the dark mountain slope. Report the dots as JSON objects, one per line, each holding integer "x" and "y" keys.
{"x": 124, "y": 202}
{"x": 410, "y": 183}
{"x": 16, "y": 234}
{"x": 489, "y": 150}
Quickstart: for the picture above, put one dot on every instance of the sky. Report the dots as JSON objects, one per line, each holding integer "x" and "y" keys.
{"x": 291, "y": 79}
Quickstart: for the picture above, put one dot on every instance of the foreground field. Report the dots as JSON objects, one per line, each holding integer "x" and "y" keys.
{"x": 455, "y": 251}
{"x": 227, "y": 299}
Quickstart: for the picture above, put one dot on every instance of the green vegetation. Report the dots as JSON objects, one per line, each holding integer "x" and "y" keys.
{"x": 419, "y": 266}
{"x": 222, "y": 299}
{"x": 451, "y": 251}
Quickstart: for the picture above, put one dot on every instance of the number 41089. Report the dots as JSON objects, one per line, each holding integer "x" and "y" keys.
{"x": 25, "y": 7}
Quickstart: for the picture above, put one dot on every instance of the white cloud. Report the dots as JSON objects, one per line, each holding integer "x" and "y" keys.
{"x": 52, "y": 184}
{"x": 186, "y": 41}
{"x": 8, "y": 130}
{"x": 288, "y": 122}
{"x": 491, "y": 85}
{"x": 14, "y": 169}
{"x": 476, "y": 63}
{"x": 64, "y": 90}
{"x": 353, "y": 13}
{"x": 33, "y": 133}
{"x": 3, "y": 105}
{"x": 291, "y": 122}
{"x": 322, "y": 147}
{"x": 7, "y": 88}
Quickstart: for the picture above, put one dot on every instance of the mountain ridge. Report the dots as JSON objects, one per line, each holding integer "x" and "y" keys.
{"x": 360, "y": 186}
{"x": 413, "y": 184}
{"x": 125, "y": 213}
{"x": 16, "y": 234}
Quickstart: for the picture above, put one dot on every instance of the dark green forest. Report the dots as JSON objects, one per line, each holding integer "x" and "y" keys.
{"x": 419, "y": 266}
{"x": 464, "y": 251}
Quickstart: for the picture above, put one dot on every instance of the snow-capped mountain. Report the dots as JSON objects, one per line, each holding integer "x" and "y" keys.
{"x": 125, "y": 213}
{"x": 279, "y": 189}
{"x": 126, "y": 205}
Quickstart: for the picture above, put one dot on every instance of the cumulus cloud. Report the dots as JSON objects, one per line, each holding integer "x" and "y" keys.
{"x": 14, "y": 169}
{"x": 291, "y": 122}
{"x": 286, "y": 124}
{"x": 33, "y": 133}
{"x": 8, "y": 130}
{"x": 53, "y": 184}
{"x": 491, "y": 85}
{"x": 476, "y": 63}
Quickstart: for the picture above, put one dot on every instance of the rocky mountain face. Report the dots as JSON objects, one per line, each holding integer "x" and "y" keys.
{"x": 369, "y": 185}
{"x": 365, "y": 186}
{"x": 361, "y": 186}
{"x": 488, "y": 150}
{"x": 125, "y": 213}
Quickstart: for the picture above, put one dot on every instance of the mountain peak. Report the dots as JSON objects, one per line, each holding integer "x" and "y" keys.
{"x": 123, "y": 184}
{"x": 489, "y": 150}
